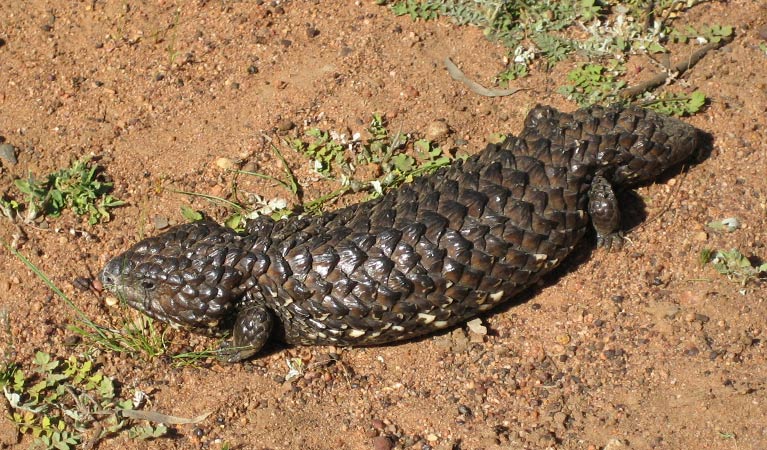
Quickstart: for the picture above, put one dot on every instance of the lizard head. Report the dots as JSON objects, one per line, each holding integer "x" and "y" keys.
{"x": 189, "y": 276}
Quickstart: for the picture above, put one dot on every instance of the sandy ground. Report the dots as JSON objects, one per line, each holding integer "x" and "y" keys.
{"x": 636, "y": 349}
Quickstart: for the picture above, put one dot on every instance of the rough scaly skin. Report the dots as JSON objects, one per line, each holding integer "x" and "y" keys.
{"x": 421, "y": 258}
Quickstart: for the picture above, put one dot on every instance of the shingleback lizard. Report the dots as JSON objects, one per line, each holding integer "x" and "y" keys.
{"x": 421, "y": 258}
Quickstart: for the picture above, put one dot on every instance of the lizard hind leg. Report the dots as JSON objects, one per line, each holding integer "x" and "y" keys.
{"x": 605, "y": 213}
{"x": 252, "y": 329}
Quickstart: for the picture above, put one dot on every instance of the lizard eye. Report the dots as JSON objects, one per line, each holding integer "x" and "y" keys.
{"x": 147, "y": 284}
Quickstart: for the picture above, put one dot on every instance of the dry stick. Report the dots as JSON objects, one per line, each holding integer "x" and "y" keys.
{"x": 678, "y": 70}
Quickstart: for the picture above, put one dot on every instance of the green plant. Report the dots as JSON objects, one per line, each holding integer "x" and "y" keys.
{"x": 733, "y": 264}
{"x": 709, "y": 33}
{"x": 383, "y": 149}
{"x": 593, "y": 83}
{"x": 428, "y": 10}
{"x": 9, "y": 208}
{"x": 324, "y": 150}
{"x": 552, "y": 30}
{"x": 62, "y": 400}
{"x": 80, "y": 187}
{"x": 678, "y": 104}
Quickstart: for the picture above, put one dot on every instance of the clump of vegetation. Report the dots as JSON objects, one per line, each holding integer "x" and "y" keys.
{"x": 338, "y": 158}
{"x": 396, "y": 157}
{"x": 80, "y": 187}
{"x": 677, "y": 104}
{"x": 63, "y": 403}
{"x": 734, "y": 265}
{"x": 605, "y": 33}
{"x": 594, "y": 84}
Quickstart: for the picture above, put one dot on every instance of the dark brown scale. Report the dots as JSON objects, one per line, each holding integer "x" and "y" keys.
{"x": 426, "y": 256}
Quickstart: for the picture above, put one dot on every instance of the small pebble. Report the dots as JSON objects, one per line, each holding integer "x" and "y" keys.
{"x": 382, "y": 443}
{"x": 476, "y": 327}
{"x": 160, "y": 222}
{"x": 111, "y": 301}
{"x": 437, "y": 130}
{"x": 71, "y": 340}
{"x": 82, "y": 283}
{"x": 225, "y": 163}
{"x": 285, "y": 125}
{"x": 762, "y": 32}
{"x": 312, "y": 32}
{"x": 8, "y": 153}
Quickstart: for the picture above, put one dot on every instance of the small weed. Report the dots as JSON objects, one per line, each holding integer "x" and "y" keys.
{"x": 593, "y": 84}
{"x": 428, "y": 10}
{"x": 733, "y": 264}
{"x": 191, "y": 214}
{"x": 9, "y": 208}
{"x": 712, "y": 33}
{"x": 728, "y": 225}
{"x": 255, "y": 205}
{"x": 81, "y": 187}
{"x": 62, "y": 400}
{"x": 727, "y": 435}
{"x": 678, "y": 104}
{"x": 325, "y": 150}
{"x": 383, "y": 149}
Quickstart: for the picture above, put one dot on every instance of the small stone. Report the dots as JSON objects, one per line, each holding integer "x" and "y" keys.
{"x": 701, "y": 236}
{"x": 476, "y": 327}
{"x": 285, "y": 125}
{"x": 382, "y": 443}
{"x": 431, "y": 437}
{"x": 563, "y": 339}
{"x": 160, "y": 222}
{"x": 437, "y": 130}
{"x": 312, "y": 32}
{"x": 615, "y": 444}
{"x": 111, "y": 301}
{"x": 250, "y": 166}
{"x": 560, "y": 419}
{"x": 411, "y": 92}
{"x": 225, "y": 163}
{"x": 762, "y": 31}
{"x": 71, "y": 340}
{"x": 252, "y": 69}
{"x": 8, "y": 153}
{"x": 82, "y": 283}
{"x": 378, "y": 424}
